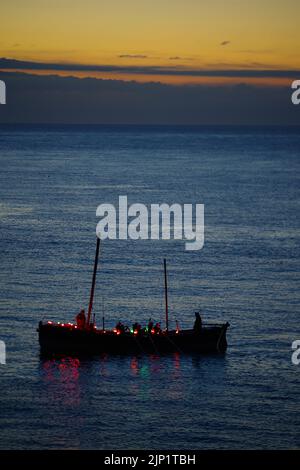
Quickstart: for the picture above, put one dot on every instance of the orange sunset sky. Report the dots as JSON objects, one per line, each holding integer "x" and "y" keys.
{"x": 181, "y": 35}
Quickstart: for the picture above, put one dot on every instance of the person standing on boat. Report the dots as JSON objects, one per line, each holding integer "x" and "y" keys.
{"x": 81, "y": 319}
{"x": 120, "y": 327}
{"x": 136, "y": 328}
{"x": 150, "y": 325}
{"x": 198, "y": 323}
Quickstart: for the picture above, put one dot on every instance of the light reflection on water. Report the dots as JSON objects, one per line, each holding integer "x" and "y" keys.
{"x": 63, "y": 384}
{"x": 62, "y": 380}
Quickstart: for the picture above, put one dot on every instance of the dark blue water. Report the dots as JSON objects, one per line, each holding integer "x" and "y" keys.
{"x": 52, "y": 179}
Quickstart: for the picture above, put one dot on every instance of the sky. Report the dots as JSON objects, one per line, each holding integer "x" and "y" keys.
{"x": 199, "y": 43}
{"x": 196, "y": 34}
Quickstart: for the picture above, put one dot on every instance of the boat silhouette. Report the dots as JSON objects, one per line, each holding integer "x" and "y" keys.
{"x": 88, "y": 339}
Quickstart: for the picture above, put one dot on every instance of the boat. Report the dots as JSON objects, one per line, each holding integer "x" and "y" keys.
{"x": 88, "y": 339}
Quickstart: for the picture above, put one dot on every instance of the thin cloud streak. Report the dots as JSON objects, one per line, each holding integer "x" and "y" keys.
{"x": 132, "y": 56}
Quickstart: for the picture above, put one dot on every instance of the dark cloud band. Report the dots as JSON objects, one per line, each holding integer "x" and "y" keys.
{"x": 149, "y": 70}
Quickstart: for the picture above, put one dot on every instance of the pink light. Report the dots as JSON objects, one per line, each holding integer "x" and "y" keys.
{"x": 49, "y": 322}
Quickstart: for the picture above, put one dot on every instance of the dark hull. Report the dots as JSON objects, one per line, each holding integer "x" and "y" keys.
{"x": 55, "y": 339}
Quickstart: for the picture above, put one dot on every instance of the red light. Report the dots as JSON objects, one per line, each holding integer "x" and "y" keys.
{"x": 49, "y": 322}
{"x": 62, "y": 324}
{"x": 135, "y": 332}
{"x": 152, "y": 331}
{"x": 75, "y": 326}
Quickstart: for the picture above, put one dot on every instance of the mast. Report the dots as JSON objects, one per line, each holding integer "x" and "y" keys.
{"x": 93, "y": 282}
{"x": 166, "y": 295}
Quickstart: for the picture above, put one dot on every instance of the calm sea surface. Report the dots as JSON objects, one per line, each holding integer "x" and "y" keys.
{"x": 51, "y": 181}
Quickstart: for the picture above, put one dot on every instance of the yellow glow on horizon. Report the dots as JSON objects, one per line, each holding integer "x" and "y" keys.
{"x": 260, "y": 33}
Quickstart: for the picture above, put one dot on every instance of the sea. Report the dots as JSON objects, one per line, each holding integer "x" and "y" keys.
{"x": 52, "y": 179}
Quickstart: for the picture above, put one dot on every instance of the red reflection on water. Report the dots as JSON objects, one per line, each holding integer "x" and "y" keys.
{"x": 176, "y": 362}
{"x": 176, "y": 357}
{"x": 61, "y": 377}
{"x": 134, "y": 366}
